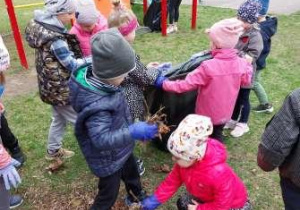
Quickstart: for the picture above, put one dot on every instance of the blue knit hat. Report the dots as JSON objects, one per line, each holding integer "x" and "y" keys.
{"x": 249, "y": 11}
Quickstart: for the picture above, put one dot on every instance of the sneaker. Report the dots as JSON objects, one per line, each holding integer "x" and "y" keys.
{"x": 175, "y": 27}
{"x": 141, "y": 168}
{"x": 61, "y": 153}
{"x": 264, "y": 108}
{"x": 170, "y": 29}
{"x": 239, "y": 130}
{"x": 230, "y": 124}
{"x": 19, "y": 156}
{"x": 130, "y": 200}
{"x": 15, "y": 201}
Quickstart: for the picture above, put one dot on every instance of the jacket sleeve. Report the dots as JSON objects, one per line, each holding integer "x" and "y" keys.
{"x": 255, "y": 46}
{"x": 247, "y": 76}
{"x": 169, "y": 186}
{"x": 281, "y": 134}
{"x": 103, "y": 136}
{"x": 192, "y": 81}
{"x": 143, "y": 76}
{"x": 5, "y": 158}
{"x": 66, "y": 57}
{"x": 223, "y": 194}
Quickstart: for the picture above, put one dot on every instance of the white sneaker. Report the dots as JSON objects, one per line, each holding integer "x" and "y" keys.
{"x": 239, "y": 130}
{"x": 230, "y": 124}
{"x": 170, "y": 29}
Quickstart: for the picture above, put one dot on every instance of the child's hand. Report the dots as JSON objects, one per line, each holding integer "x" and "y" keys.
{"x": 152, "y": 64}
{"x": 143, "y": 130}
{"x": 193, "y": 206}
{"x": 10, "y": 175}
{"x": 2, "y": 108}
{"x": 249, "y": 58}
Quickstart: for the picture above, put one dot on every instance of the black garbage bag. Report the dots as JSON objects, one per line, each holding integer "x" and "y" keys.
{"x": 177, "y": 106}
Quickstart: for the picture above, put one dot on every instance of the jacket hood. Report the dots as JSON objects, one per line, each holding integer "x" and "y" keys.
{"x": 37, "y": 30}
{"x": 269, "y": 26}
{"x": 215, "y": 153}
{"x": 83, "y": 94}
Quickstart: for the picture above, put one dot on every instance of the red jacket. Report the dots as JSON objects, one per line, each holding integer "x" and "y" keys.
{"x": 211, "y": 180}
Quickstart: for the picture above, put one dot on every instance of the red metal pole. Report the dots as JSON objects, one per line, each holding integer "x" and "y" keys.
{"x": 16, "y": 32}
{"x": 145, "y": 6}
{"x": 194, "y": 14}
{"x": 164, "y": 17}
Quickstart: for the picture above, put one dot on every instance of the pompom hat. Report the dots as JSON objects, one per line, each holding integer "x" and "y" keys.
{"x": 189, "y": 140}
{"x": 86, "y": 12}
{"x": 225, "y": 33}
{"x": 249, "y": 11}
{"x": 56, "y": 7}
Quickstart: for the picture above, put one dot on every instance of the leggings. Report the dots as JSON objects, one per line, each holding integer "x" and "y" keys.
{"x": 174, "y": 10}
{"x": 242, "y": 106}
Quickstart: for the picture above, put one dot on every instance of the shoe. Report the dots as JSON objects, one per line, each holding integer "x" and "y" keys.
{"x": 130, "y": 200}
{"x": 230, "y": 124}
{"x": 141, "y": 168}
{"x": 15, "y": 201}
{"x": 239, "y": 130}
{"x": 19, "y": 156}
{"x": 170, "y": 29}
{"x": 264, "y": 108}
{"x": 61, "y": 153}
{"x": 175, "y": 27}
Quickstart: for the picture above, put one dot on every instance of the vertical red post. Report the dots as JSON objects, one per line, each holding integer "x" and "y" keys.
{"x": 145, "y": 6}
{"x": 16, "y": 32}
{"x": 194, "y": 14}
{"x": 164, "y": 17}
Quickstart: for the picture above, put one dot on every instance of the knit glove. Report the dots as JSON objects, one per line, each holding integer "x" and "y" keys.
{"x": 150, "y": 203}
{"x": 159, "y": 81}
{"x": 143, "y": 130}
{"x": 10, "y": 175}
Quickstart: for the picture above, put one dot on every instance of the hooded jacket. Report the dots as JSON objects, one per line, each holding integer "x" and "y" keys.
{"x": 84, "y": 36}
{"x": 53, "y": 77}
{"x": 210, "y": 180}
{"x": 102, "y": 124}
{"x": 267, "y": 29}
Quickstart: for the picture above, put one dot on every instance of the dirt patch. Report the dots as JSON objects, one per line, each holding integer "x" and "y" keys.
{"x": 22, "y": 83}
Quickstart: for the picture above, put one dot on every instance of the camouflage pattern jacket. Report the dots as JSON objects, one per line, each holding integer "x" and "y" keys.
{"x": 53, "y": 77}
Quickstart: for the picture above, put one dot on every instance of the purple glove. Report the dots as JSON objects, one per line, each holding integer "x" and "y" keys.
{"x": 143, "y": 130}
{"x": 150, "y": 203}
{"x": 10, "y": 175}
{"x": 159, "y": 81}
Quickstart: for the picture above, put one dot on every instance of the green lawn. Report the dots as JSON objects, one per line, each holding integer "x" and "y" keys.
{"x": 74, "y": 187}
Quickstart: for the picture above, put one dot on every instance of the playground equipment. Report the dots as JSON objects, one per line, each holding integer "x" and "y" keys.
{"x": 104, "y": 7}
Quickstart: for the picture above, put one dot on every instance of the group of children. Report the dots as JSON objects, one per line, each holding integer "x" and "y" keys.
{"x": 92, "y": 78}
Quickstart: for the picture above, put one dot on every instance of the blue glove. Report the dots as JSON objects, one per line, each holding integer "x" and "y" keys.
{"x": 143, "y": 130}
{"x": 150, "y": 203}
{"x": 10, "y": 175}
{"x": 159, "y": 81}
{"x": 164, "y": 66}
{"x": 2, "y": 88}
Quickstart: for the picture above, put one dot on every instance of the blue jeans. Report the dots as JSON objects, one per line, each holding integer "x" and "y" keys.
{"x": 265, "y": 7}
{"x": 290, "y": 194}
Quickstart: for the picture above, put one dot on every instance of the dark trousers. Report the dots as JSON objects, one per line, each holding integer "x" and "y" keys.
{"x": 242, "y": 106}
{"x": 174, "y": 10}
{"x": 9, "y": 141}
{"x": 218, "y": 133}
{"x": 109, "y": 186}
{"x": 290, "y": 194}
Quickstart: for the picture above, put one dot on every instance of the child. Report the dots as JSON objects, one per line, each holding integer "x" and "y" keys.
{"x": 268, "y": 28}
{"x": 89, "y": 21}
{"x": 8, "y": 139}
{"x": 57, "y": 55}
{"x": 250, "y": 46}
{"x": 141, "y": 77}
{"x": 104, "y": 128}
{"x": 217, "y": 80}
{"x": 200, "y": 165}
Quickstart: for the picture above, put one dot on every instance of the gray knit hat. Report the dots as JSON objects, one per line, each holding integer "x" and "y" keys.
{"x": 111, "y": 54}
{"x": 86, "y": 12}
{"x": 249, "y": 11}
{"x": 56, "y": 7}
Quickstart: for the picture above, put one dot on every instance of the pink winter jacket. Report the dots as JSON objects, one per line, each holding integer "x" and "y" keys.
{"x": 5, "y": 158}
{"x": 84, "y": 37}
{"x": 211, "y": 180}
{"x": 218, "y": 82}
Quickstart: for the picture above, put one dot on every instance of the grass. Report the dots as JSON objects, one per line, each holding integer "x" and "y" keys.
{"x": 74, "y": 187}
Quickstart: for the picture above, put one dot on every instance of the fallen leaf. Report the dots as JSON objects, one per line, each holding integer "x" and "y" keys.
{"x": 55, "y": 165}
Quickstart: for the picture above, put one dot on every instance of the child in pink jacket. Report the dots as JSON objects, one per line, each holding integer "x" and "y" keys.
{"x": 89, "y": 21}
{"x": 217, "y": 80}
{"x": 200, "y": 165}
